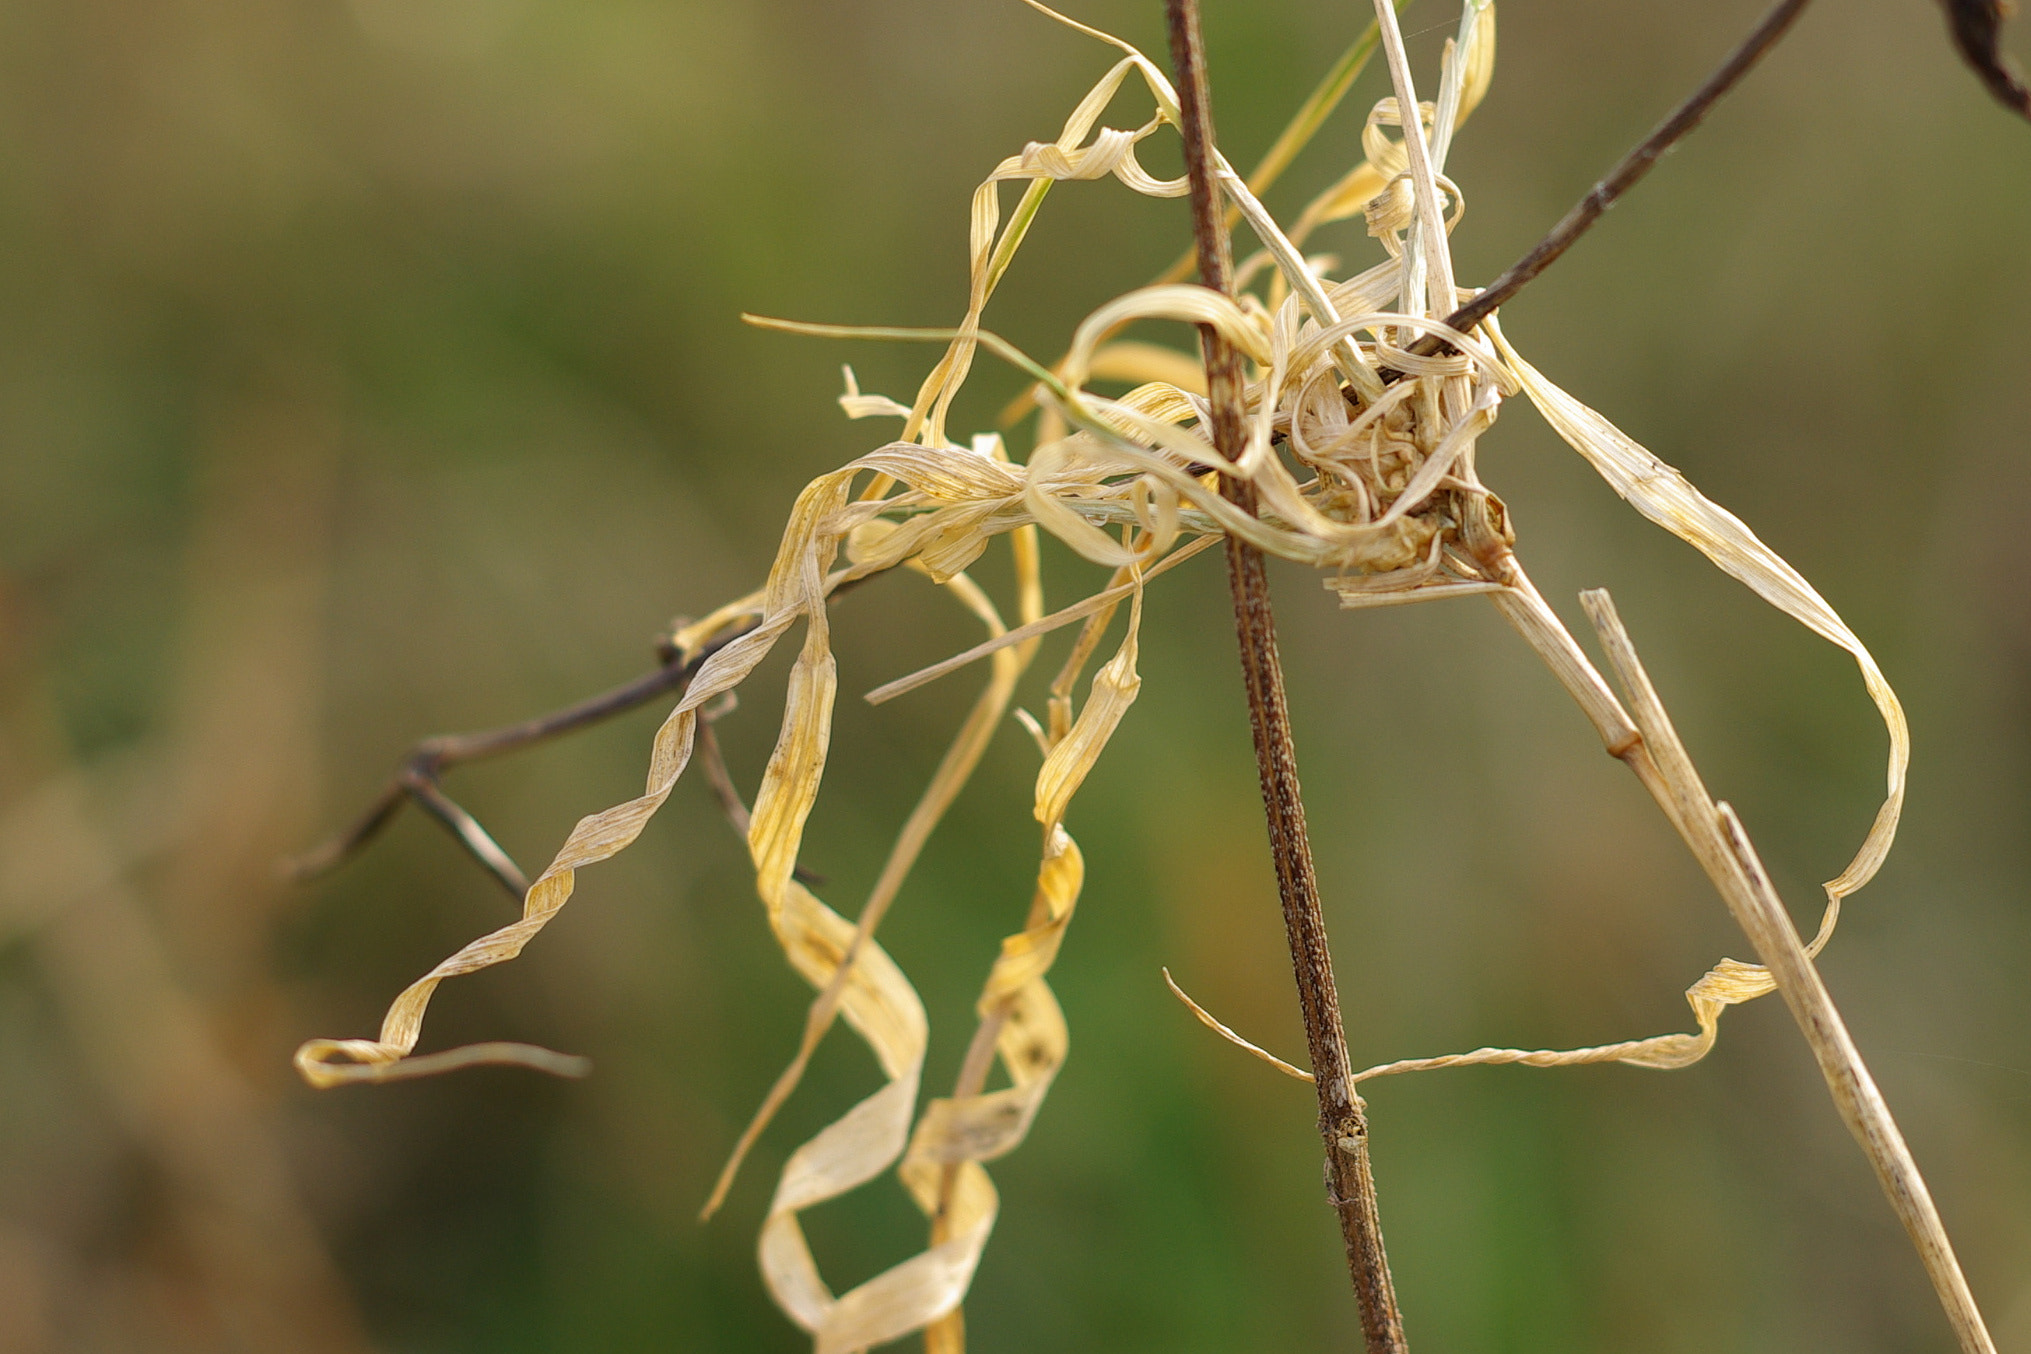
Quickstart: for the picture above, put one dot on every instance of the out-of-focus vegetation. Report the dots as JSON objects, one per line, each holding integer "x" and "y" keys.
{"x": 371, "y": 368}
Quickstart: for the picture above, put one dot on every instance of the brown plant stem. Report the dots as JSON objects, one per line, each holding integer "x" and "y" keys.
{"x": 1342, "y": 1121}
{"x": 1624, "y": 176}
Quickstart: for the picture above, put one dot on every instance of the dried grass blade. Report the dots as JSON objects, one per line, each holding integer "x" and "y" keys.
{"x": 1433, "y": 250}
{"x": 942, "y": 1168}
{"x": 1728, "y": 983}
{"x": 495, "y": 1054}
{"x": 1667, "y": 498}
{"x": 1356, "y": 600}
{"x": 1130, "y": 360}
{"x": 1297, "y": 134}
{"x": 954, "y": 770}
{"x": 1207, "y": 1019}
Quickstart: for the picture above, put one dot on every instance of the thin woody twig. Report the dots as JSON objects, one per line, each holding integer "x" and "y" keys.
{"x": 712, "y": 762}
{"x": 1342, "y": 1122}
{"x": 420, "y": 774}
{"x": 1621, "y": 178}
{"x": 478, "y": 842}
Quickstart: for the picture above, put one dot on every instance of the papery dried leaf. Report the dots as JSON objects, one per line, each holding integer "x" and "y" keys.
{"x": 1728, "y": 983}
{"x": 942, "y": 1168}
{"x": 858, "y": 405}
{"x": 1667, "y": 498}
{"x": 1182, "y": 301}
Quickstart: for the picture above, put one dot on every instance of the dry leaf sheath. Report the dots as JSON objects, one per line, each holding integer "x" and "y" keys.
{"x": 1352, "y": 453}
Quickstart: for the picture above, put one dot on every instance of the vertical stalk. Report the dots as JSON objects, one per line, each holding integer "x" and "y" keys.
{"x": 1343, "y": 1123}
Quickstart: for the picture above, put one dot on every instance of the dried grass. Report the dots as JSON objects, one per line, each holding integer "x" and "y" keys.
{"x": 1364, "y": 459}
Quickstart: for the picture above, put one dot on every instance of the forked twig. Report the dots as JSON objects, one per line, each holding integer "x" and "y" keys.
{"x": 420, "y": 775}
{"x": 1343, "y": 1123}
{"x": 422, "y": 787}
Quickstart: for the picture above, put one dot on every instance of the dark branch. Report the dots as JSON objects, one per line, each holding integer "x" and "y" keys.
{"x": 478, "y": 842}
{"x": 421, "y": 773}
{"x": 1621, "y": 178}
{"x": 1343, "y": 1125}
{"x": 1977, "y": 27}
{"x": 712, "y": 761}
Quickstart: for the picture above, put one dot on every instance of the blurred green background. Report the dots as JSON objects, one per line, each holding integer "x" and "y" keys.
{"x": 371, "y": 368}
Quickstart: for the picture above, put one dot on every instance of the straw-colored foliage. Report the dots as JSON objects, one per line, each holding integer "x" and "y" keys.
{"x": 1365, "y": 462}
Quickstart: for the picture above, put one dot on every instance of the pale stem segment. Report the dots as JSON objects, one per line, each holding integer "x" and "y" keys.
{"x": 1343, "y": 1123}
{"x": 1717, "y": 839}
{"x": 1643, "y": 737}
